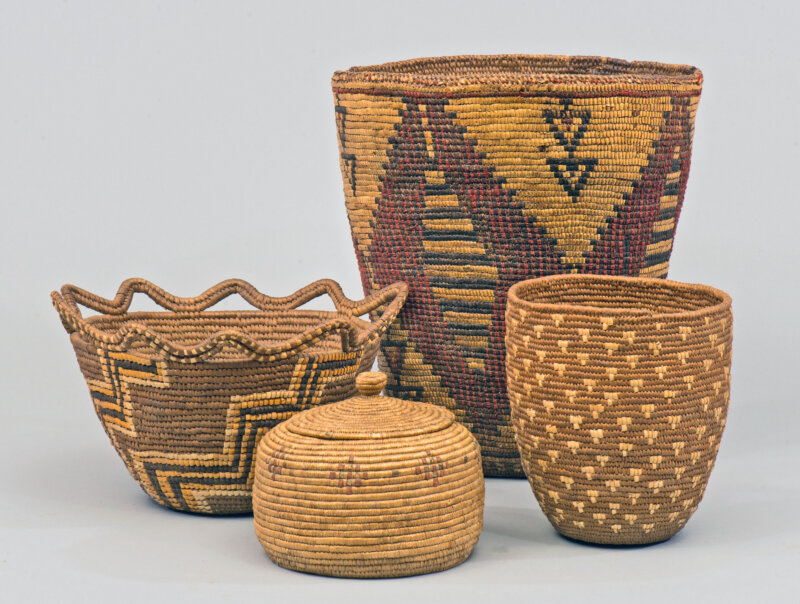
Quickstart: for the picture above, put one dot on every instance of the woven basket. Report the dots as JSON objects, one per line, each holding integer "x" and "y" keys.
{"x": 369, "y": 487}
{"x": 619, "y": 390}
{"x": 185, "y": 395}
{"x": 464, "y": 175}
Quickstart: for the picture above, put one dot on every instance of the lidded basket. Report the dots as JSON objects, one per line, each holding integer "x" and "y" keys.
{"x": 619, "y": 393}
{"x": 370, "y": 486}
{"x": 464, "y": 175}
{"x": 185, "y": 393}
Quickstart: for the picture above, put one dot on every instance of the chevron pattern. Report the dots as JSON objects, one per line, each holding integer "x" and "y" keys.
{"x": 207, "y": 482}
{"x": 569, "y": 126}
{"x": 111, "y": 396}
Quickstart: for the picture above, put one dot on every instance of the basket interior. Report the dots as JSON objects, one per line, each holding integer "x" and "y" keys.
{"x": 646, "y": 297}
{"x": 190, "y": 329}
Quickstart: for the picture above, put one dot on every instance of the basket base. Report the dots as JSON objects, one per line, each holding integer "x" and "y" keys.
{"x": 231, "y": 506}
{"x": 386, "y": 569}
{"x": 615, "y": 541}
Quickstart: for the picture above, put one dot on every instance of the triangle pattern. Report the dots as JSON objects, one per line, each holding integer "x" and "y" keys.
{"x": 459, "y": 241}
{"x": 362, "y": 162}
{"x": 461, "y": 210}
{"x": 560, "y": 170}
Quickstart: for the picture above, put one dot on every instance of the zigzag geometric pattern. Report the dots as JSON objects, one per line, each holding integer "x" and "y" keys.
{"x": 111, "y": 398}
{"x": 210, "y": 482}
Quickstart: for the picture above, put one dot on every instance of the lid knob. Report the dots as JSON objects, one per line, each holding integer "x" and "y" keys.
{"x": 370, "y": 383}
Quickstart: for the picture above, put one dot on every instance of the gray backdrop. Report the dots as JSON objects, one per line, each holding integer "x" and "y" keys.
{"x": 188, "y": 142}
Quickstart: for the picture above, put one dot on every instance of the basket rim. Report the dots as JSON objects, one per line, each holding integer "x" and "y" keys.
{"x": 470, "y": 75}
{"x": 345, "y": 321}
{"x": 722, "y": 304}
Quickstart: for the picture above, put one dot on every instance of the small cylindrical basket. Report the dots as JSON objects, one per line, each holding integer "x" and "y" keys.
{"x": 619, "y": 391}
{"x": 464, "y": 175}
{"x": 186, "y": 394}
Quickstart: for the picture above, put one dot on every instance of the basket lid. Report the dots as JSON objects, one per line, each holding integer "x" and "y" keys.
{"x": 369, "y": 416}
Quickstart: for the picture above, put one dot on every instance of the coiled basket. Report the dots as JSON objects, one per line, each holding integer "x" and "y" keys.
{"x": 369, "y": 487}
{"x": 186, "y": 394}
{"x": 463, "y": 175}
{"x": 619, "y": 391}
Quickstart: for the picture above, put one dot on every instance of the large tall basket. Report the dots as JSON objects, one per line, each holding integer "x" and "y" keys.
{"x": 464, "y": 175}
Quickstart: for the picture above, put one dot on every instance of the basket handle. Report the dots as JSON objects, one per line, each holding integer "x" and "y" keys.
{"x": 66, "y": 303}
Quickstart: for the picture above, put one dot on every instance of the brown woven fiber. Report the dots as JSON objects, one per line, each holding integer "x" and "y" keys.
{"x": 186, "y": 394}
{"x": 369, "y": 487}
{"x": 619, "y": 391}
{"x": 464, "y": 175}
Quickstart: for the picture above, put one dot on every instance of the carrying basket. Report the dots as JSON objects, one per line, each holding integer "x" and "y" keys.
{"x": 463, "y": 175}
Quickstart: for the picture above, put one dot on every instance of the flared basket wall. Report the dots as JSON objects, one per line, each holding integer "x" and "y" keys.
{"x": 185, "y": 394}
{"x": 464, "y": 175}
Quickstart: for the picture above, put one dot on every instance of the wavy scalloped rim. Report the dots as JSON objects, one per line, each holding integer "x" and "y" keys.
{"x": 352, "y": 331}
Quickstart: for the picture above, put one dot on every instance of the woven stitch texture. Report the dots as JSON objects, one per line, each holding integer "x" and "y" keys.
{"x": 619, "y": 392}
{"x": 186, "y": 394}
{"x": 464, "y": 175}
{"x": 369, "y": 487}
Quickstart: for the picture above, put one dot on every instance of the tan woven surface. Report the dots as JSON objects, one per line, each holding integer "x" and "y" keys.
{"x": 464, "y": 175}
{"x": 619, "y": 392}
{"x": 186, "y": 394}
{"x": 369, "y": 487}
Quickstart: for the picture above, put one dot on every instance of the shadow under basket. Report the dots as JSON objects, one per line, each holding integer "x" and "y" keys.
{"x": 619, "y": 391}
{"x": 186, "y": 394}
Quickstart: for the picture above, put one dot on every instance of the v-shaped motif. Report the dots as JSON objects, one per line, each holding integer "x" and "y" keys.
{"x": 568, "y": 125}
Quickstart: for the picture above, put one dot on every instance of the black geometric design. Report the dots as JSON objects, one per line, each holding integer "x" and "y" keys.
{"x": 197, "y": 483}
{"x": 569, "y": 126}
{"x": 490, "y": 244}
{"x": 348, "y": 159}
{"x": 185, "y": 482}
{"x": 110, "y": 395}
